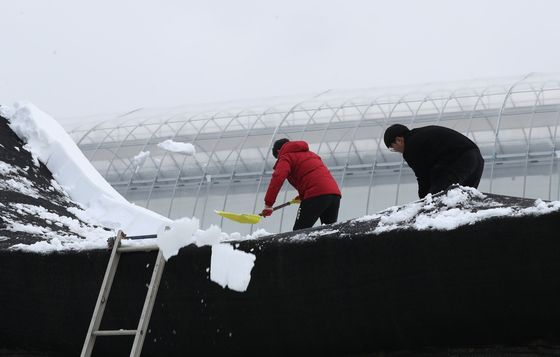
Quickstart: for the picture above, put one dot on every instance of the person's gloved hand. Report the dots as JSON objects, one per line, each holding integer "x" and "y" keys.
{"x": 295, "y": 200}
{"x": 267, "y": 211}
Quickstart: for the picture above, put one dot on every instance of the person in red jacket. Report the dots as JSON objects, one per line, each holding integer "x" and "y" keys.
{"x": 317, "y": 190}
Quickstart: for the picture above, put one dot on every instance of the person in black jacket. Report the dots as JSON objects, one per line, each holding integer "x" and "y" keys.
{"x": 438, "y": 156}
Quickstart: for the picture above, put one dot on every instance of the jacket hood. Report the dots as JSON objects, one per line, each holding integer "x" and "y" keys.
{"x": 293, "y": 146}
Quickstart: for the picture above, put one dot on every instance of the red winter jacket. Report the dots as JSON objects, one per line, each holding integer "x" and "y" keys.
{"x": 304, "y": 170}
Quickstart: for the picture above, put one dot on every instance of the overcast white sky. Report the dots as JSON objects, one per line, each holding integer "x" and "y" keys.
{"x": 76, "y": 58}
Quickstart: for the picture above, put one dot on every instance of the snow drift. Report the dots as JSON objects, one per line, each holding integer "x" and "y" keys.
{"x": 50, "y": 144}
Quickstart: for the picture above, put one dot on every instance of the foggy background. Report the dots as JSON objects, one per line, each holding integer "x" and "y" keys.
{"x": 77, "y": 58}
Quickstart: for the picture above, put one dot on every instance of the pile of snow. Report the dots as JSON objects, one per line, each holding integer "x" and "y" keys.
{"x": 457, "y": 207}
{"x": 49, "y": 143}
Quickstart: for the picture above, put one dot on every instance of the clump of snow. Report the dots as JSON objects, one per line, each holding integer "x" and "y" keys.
{"x": 395, "y": 215}
{"x": 211, "y": 236}
{"x": 48, "y": 142}
{"x": 178, "y": 147}
{"x": 230, "y": 267}
{"x": 458, "y": 196}
{"x": 139, "y": 160}
{"x": 172, "y": 237}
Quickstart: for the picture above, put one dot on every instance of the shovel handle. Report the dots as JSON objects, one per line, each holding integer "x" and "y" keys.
{"x": 280, "y": 206}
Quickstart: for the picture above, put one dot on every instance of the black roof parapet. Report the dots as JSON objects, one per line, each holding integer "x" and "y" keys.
{"x": 491, "y": 283}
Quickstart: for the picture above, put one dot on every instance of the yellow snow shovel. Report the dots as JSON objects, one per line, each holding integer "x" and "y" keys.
{"x": 251, "y": 218}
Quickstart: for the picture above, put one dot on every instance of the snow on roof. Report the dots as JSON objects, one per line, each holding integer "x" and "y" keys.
{"x": 448, "y": 210}
{"x": 454, "y": 208}
{"x": 98, "y": 204}
{"x": 49, "y": 143}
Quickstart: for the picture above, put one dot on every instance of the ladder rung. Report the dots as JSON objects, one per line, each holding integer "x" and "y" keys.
{"x": 114, "y": 333}
{"x": 137, "y": 248}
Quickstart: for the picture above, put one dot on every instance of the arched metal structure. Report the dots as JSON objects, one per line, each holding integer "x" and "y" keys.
{"x": 513, "y": 120}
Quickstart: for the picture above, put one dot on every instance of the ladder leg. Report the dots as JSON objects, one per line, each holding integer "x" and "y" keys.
{"x": 148, "y": 306}
{"x": 102, "y": 298}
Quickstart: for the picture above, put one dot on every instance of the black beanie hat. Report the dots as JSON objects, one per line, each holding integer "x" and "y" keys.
{"x": 392, "y": 132}
{"x": 277, "y": 146}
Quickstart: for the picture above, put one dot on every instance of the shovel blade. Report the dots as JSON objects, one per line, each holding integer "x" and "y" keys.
{"x": 240, "y": 217}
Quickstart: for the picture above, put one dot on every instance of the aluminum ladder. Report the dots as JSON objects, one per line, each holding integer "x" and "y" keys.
{"x": 140, "y": 332}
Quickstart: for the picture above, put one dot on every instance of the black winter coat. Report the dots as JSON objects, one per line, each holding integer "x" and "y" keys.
{"x": 430, "y": 149}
